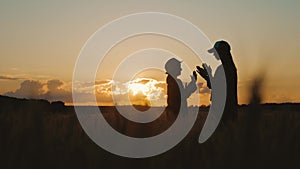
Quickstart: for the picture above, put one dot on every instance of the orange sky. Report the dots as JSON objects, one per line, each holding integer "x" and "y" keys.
{"x": 40, "y": 42}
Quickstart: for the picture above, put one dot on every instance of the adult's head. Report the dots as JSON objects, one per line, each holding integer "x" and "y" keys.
{"x": 173, "y": 67}
{"x": 221, "y": 50}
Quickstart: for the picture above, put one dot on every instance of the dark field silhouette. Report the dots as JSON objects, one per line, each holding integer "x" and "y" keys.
{"x": 39, "y": 134}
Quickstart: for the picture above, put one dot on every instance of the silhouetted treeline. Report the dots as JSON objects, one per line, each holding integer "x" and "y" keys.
{"x": 36, "y": 105}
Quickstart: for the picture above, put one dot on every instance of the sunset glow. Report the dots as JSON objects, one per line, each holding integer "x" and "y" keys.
{"x": 46, "y": 48}
{"x": 147, "y": 87}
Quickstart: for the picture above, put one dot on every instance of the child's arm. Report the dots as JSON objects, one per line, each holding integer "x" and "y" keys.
{"x": 191, "y": 87}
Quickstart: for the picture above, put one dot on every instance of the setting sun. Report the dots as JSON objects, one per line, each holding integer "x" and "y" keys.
{"x": 145, "y": 86}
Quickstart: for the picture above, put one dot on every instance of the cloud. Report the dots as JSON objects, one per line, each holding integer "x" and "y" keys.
{"x": 53, "y": 85}
{"x": 35, "y": 89}
{"x": 28, "y": 89}
{"x": 204, "y": 90}
{"x": 7, "y": 77}
{"x": 24, "y": 77}
{"x": 56, "y": 91}
{"x": 141, "y": 91}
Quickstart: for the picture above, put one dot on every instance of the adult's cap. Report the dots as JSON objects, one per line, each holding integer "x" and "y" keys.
{"x": 220, "y": 45}
{"x": 172, "y": 64}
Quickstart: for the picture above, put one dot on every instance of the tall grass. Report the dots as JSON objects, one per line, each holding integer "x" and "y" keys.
{"x": 263, "y": 136}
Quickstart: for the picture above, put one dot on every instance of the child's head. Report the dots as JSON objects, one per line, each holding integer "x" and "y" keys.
{"x": 173, "y": 67}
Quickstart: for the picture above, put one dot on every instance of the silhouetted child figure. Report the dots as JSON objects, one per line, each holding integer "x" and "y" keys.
{"x": 221, "y": 51}
{"x": 176, "y": 91}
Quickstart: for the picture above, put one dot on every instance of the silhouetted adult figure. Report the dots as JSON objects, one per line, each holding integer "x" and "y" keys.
{"x": 221, "y": 51}
{"x": 176, "y": 91}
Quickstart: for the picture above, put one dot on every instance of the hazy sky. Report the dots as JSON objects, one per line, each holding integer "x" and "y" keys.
{"x": 40, "y": 40}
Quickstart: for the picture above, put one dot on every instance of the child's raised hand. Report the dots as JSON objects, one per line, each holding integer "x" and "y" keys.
{"x": 195, "y": 75}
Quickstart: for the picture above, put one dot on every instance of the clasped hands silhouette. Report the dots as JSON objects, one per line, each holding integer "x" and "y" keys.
{"x": 204, "y": 72}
